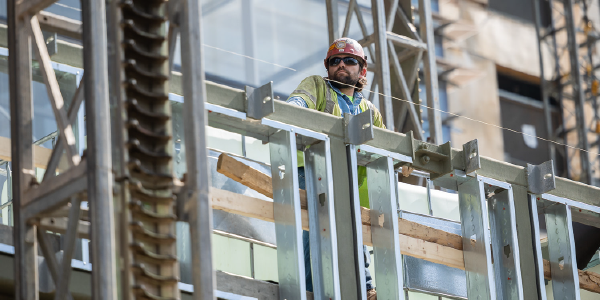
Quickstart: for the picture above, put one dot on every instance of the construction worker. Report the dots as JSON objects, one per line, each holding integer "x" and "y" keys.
{"x": 338, "y": 93}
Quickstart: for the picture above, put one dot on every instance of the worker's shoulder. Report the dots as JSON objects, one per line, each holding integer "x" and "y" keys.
{"x": 315, "y": 78}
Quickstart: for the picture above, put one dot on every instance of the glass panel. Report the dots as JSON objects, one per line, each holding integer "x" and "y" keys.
{"x": 265, "y": 266}
{"x": 413, "y": 198}
{"x": 256, "y": 150}
{"x": 445, "y": 205}
{"x": 231, "y": 255}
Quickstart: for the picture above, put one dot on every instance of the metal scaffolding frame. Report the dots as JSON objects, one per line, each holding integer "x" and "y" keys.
{"x": 54, "y": 204}
{"x": 574, "y": 84}
{"x": 395, "y": 44}
{"x": 89, "y": 178}
{"x": 511, "y": 193}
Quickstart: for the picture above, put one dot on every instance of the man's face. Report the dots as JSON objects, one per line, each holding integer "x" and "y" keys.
{"x": 343, "y": 73}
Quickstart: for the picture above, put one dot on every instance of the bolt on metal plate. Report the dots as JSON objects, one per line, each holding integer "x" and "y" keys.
{"x": 541, "y": 178}
{"x": 471, "y": 154}
{"x": 358, "y": 129}
{"x": 260, "y": 101}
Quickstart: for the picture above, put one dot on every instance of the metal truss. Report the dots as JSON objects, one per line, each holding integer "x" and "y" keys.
{"x": 144, "y": 188}
{"x": 397, "y": 49}
{"x": 574, "y": 84}
{"x": 87, "y": 178}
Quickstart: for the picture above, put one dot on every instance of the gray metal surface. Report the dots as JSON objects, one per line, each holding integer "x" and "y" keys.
{"x": 198, "y": 180}
{"x": 434, "y": 278}
{"x": 578, "y": 92}
{"x": 321, "y": 219}
{"x": 539, "y": 260}
{"x": 561, "y": 249}
{"x": 357, "y": 222}
{"x": 358, "y": 129}
{"x": 471, "y": 155}
{"x": 476, "y": 240}
{"x": 384, "y": 229}
{"x": 505, "y": 246}
{"x": 99, "y": 156}
{"x": 430, "y": 71}
{"x": 286, "y": 210}
{"x": 19, "y": 43}
{"x": 431, "y": 277}
{"x": 383, "y": 63}
{"x": 541, "y": 177}
{"x": 260, "y": 101}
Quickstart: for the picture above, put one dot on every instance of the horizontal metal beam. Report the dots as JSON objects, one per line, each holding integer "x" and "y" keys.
{"x": 395, "y": 142}
{"x": 55, "y": 183}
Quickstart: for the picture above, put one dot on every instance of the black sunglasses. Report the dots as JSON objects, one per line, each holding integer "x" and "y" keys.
{"x": 349, "y": 61}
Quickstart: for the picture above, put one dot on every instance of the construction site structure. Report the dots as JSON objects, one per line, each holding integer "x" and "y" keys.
{"x": 132, "y": 176}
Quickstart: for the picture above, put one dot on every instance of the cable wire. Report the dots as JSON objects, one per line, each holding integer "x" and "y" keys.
{"x": 422, "y": 105}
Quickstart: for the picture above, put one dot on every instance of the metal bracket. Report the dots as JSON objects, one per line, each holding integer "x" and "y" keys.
{"x": 541, "y": 178}
{"x": 259, "y": 101}
{"x": 437, "y": 159}
{"x": 358, "y": 129}
{"x": 471, "y": 154}
{"x": 50, "y": 39}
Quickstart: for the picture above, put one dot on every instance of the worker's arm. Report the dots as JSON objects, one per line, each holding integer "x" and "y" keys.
{"x": 297, "y": 101}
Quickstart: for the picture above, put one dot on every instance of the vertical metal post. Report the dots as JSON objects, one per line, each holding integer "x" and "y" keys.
{"x": 321, "y": 217}
{"x": 505, "y": 246}
{"x": 544, "y": 84}
{"x": 359, "y": 255}
{"x": 561, "y": 249}
{"x": 21, "y": 115}
{"x": 384, "y": 229}
{"x": 288, "y": 220}
{"x": 527, "y": 251}
{"x": 383, "y": 63}
{"x": 333, "y": 24}
{"x": 539, "y": 260}
{"x": 99, "y": 157}
{"x": 578, "y": 92}
{"x": 476, "y": 240}
{"x": 431, "y": 75}
{"x": 249, "y": 36}
{"x": 198, "y": 182}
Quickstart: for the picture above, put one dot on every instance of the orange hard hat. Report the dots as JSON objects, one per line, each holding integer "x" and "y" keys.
{"x": 347, "y": 46}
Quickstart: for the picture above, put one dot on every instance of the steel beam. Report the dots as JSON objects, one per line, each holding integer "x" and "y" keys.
{"x": 578, "y": 92}
{"x": 431, "y": 76}
{"x": 198, "y": 180}
{"x": 288, "y": 220}
{"x": 321, "y": 217}
{"x": 384, "y": 228}
{"x": 99, "y": 151}
{"x": 333, "y": 24}
{"x": 383, "y": 64}
{"x": 21, "y": 113}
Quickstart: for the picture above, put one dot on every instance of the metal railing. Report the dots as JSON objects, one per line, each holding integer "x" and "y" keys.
{"x": 496, "y": 198}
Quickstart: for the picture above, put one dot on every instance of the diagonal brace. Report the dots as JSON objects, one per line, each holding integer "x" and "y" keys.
{"x": 56, "y": 99}
{"x": 42, "y": 237}
{"x": 60, "y": 142}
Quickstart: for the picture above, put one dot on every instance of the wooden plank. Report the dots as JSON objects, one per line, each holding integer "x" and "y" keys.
{"x": 409, "y": 245}
{"x": 261, "y": 183}
{"x": 41, "y": 155}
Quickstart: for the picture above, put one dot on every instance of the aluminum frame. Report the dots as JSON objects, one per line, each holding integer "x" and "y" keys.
{"x": 502, "y": 279}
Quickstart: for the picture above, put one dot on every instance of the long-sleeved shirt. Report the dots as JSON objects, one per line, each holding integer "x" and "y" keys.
{"x": 348, "y": 106}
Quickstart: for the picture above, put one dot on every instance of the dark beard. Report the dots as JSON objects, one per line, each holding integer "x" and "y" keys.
{"x": 343, "y": 79}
